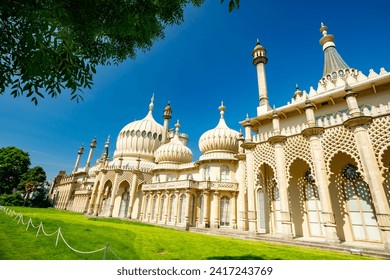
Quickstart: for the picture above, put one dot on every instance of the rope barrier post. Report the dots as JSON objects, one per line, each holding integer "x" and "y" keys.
{"x": 105, "y": 251}
{"x": 39, "y": 228}
{"x": 58, "y": 235}
{"x": 28, "y": 223}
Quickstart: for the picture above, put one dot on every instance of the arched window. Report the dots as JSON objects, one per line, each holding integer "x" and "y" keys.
{"x": 359, "y": 204}
{"x": 225, "y": 173}
{"x": 182, "y": 209}
{"x": 124, "y": 207}
{"x": 225, "y": 212}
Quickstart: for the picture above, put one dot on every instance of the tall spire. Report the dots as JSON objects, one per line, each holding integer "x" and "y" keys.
{"x": 334, "y": 65}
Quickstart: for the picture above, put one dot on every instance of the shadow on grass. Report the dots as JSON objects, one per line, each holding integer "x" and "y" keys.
{"x": 244, "y": 257}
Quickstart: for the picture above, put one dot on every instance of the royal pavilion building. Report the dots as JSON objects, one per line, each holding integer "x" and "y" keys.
{"x": 315, "y": 169}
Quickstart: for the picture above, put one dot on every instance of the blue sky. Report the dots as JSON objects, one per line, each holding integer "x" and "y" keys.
{"x": 200, "y": 63}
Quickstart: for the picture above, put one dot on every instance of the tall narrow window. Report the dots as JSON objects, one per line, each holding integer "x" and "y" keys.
{"x": 154, "y": 205}
{"x": 313, "y": 205}
{"x": 201, "y": 209}
{"x": 277, "y": 210}
{"x": 225, "y": 172}
{"x": 162, "y": 208}
{"x": 261, "y": 211}
{"x": 225, "y": 212}
{"x": 146, "y": 206}
{"x": 206, "y": 173}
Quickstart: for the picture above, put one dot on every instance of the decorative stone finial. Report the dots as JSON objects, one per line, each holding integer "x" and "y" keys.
{"x": 177, "y": 126}
{"x": 151, "y": 105}
{"x": 222, "y": 108}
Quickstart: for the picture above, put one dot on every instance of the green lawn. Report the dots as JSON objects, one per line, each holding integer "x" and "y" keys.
{"x": 131, "y": 240}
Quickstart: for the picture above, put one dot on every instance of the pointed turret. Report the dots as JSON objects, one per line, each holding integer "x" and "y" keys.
{"x": 105, "y": 155}
{"x": 334, "y": 65}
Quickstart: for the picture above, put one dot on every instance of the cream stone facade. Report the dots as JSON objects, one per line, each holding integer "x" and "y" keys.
{"x": 316, "y": 168}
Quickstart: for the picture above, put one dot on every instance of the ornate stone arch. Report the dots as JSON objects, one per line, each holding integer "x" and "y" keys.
{"x": 297, "y": 147}
{"x": 380, "y": 137}
{"x": 339, "y": 139}
{"x": 264, "y": 153}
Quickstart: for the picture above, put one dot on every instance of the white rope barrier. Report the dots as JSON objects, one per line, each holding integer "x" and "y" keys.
{"x": 29, "y": 223}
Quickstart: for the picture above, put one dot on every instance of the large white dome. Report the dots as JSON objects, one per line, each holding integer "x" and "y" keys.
{"x": 219, "y": 139}
{"x": 140, "y": 138}
{"x": 174, "y": 151}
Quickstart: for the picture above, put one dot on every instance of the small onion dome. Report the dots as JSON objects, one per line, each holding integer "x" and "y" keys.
{"x": 174, "y": 151}
{"x": 221, "y": 138}
{"x": 140, "y": 138}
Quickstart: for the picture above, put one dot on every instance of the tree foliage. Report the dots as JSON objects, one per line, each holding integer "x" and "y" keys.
{"x": 233, "y": 4}
{"x": 19, "y": 184}
{"x": 13, "y": 164}
{"x": 47, "y": 46}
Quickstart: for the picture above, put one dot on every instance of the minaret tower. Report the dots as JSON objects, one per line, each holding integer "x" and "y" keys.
{"x": 259, "y": 60}
{"x": 166, "y": 116}
{"x": 79, "y": 153}
{"x": 92, "y": 148}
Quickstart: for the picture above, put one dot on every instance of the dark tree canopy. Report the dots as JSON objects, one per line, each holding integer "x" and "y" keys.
{"x": 34, "y": 178}
{"x": 47, "y": 46}
{"x": 13, "y": 164}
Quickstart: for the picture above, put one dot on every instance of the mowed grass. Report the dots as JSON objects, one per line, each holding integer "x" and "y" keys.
{"x": 132, "y": 241}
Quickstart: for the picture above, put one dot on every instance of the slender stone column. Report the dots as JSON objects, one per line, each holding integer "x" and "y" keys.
{"x": 133, "y": 189}
{"x": 215, "y": 209}
{"x": 94, "y": 194}
{"x": 234, "y": 211}
{"x": 99, "y": 200}
{"x": 177, "y": 206}
{"x": 158, "y": 205}
{"x": 188, "y": 204}
{"x": 359, "y": 125}
{"x": 114, "y": 191}
{"x": 250, "y": 182}
{"x": 143, "y": 206}
{"x": 206, "y": 194}
{"x": 278, "y": 141}
{"x": 241, "y": 197}
{"x": 248, "y": 145}
{"x": 313, "y": 133}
